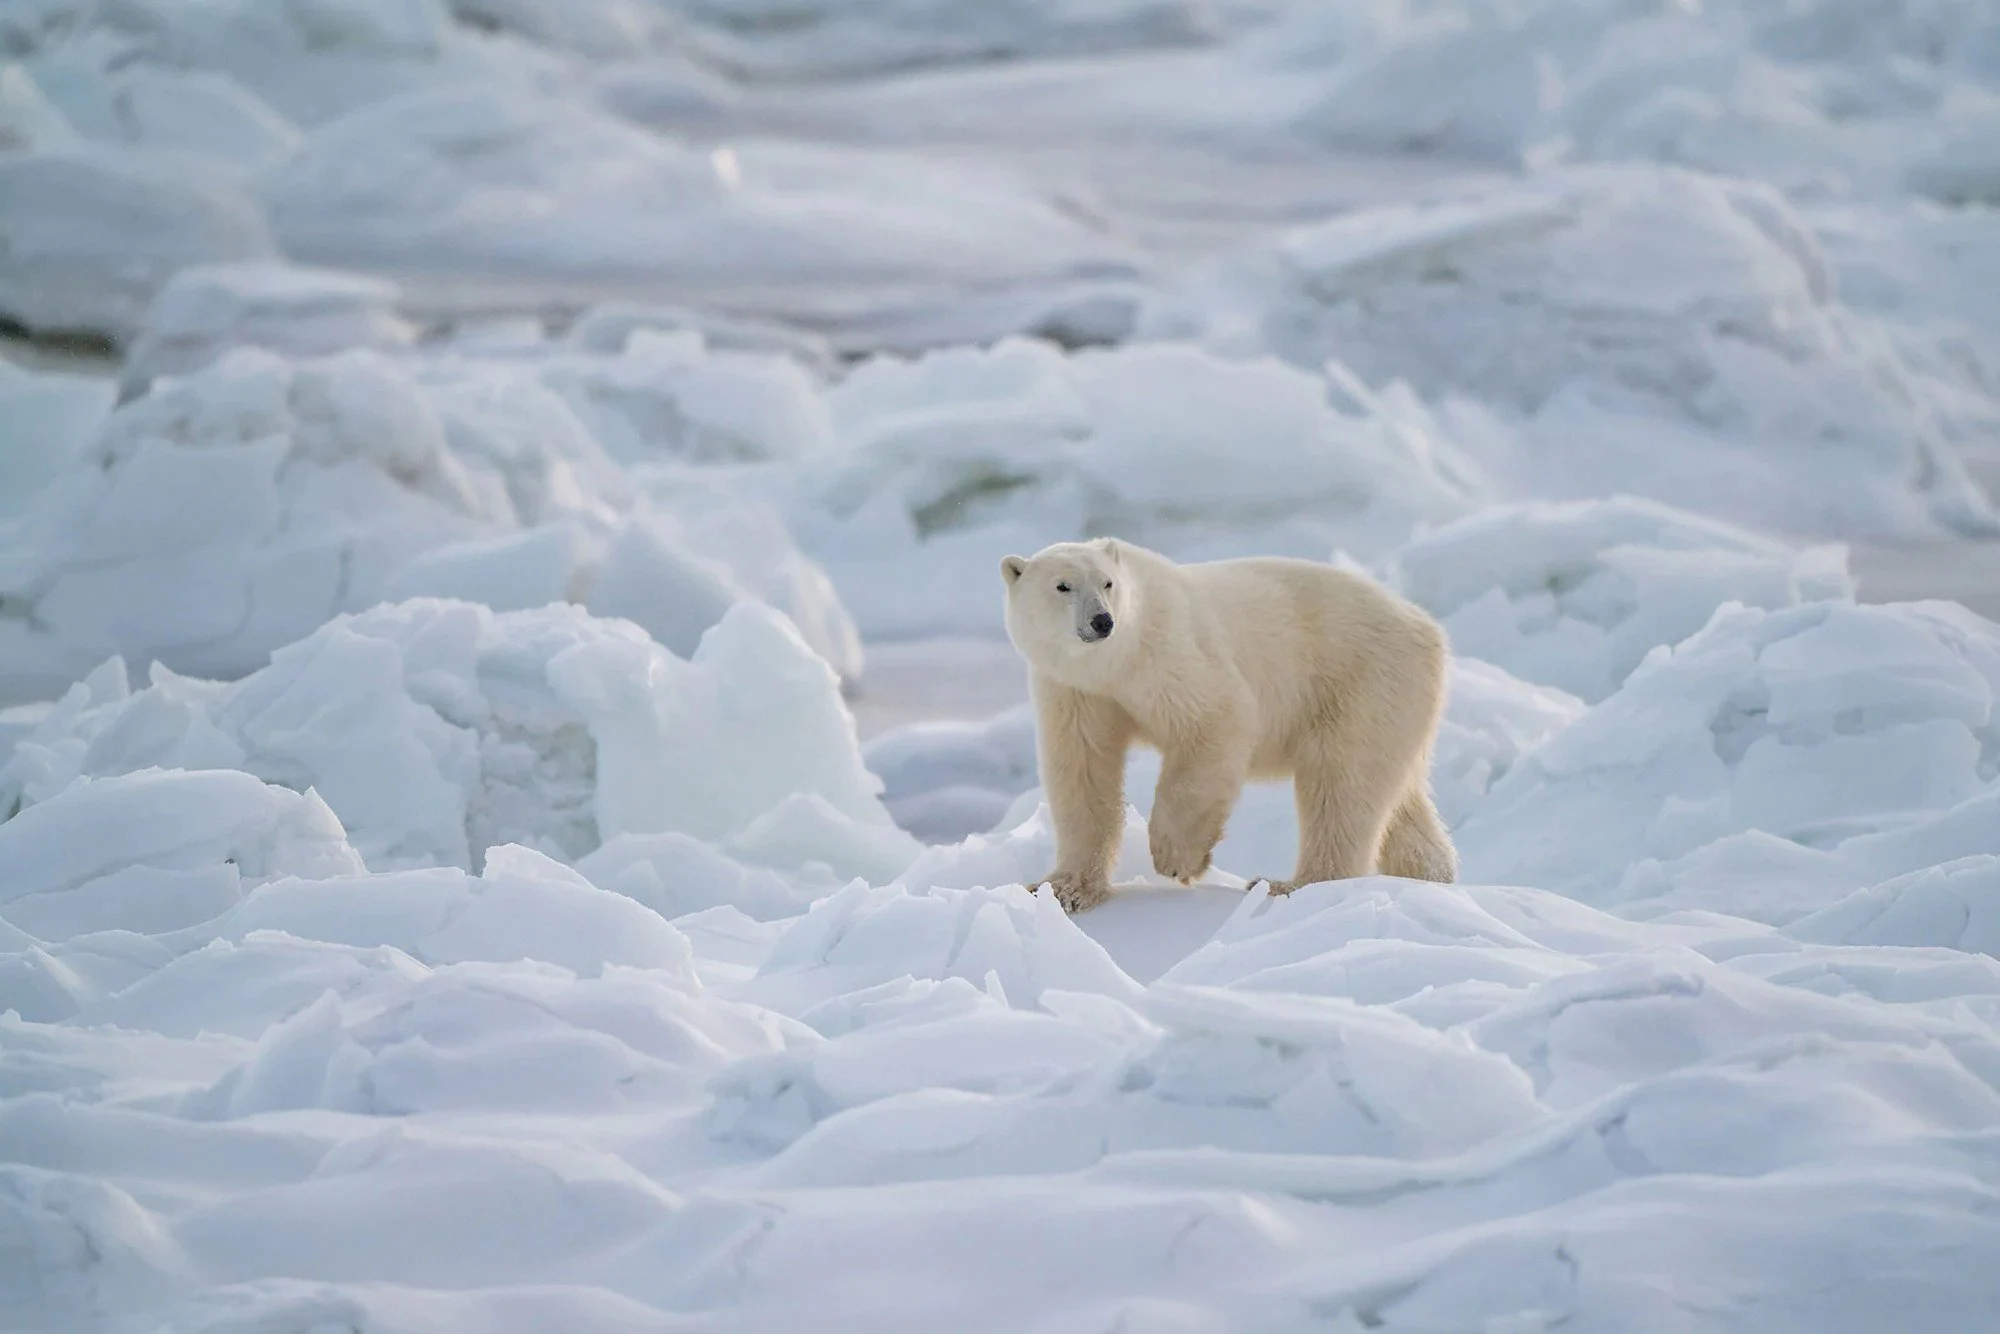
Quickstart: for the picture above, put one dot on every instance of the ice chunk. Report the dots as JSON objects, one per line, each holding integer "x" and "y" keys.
{"x": 1630, "y": 320}
{"x": 206, "y": 309}
{"x": 665, "y": 397}
{"x": 155, "y": 850}
{"x": 1825, "y": 725}
{"x": 1575, "y": 595}
{"x": 93, "y": 233}
{"x": 438, "y": 729}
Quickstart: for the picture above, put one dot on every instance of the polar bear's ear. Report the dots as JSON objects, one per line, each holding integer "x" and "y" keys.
{"x": 1012, "y": 568}
{"x": 1111, "y": 547}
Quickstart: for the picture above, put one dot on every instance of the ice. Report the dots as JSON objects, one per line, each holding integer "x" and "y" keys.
{"x": 206, "y": 309}
{"x": 1714, "y": 375}
{"x": 437, "y": 729}
{"x": 184, "y": 847}
{"x": 610, "y": 328}
{"x": 223, "y": 515}
{"x": 945, "y": 780}
{"x": 1835, "y": 728}
{"x": 1575, "y": 595}
{"x": 663, "y": 396}
{"x": 93, "y": 233}
{"x": 50, "y": 420}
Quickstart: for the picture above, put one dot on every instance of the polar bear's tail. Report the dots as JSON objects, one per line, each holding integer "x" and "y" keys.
{"x": 1416, "y": 845}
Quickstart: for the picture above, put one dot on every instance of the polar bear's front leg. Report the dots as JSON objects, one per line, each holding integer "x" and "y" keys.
{"x": 1200, "y": 780}
{"x": 1083, "y": 739}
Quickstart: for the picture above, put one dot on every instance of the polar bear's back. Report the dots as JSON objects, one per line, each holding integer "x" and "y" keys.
{"x": 1308, "y": 608}
{"x": 1305, "y": 635}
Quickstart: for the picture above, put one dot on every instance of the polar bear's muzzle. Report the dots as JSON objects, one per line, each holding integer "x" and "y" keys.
{"x": 1097, "y": 626}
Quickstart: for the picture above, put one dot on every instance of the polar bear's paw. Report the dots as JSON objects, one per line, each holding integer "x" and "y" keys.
{"x": 1176, "y": 856}
{"x": 1075, "y": 891}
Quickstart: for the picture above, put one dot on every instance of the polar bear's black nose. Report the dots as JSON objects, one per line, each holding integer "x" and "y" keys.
{"x": 1101, "y": 623}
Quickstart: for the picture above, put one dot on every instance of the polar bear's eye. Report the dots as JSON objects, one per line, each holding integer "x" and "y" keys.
{"x": 1062, "y": 588}
{"x": 1107, "y": 585}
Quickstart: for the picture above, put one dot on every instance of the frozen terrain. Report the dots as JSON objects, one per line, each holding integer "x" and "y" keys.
{"x": 515, "y": 805}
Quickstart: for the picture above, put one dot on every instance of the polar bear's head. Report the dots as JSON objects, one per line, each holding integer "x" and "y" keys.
{"x": 1065, "y": 604}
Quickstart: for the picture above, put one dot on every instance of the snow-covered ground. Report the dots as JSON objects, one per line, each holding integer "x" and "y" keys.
{"x": 514, "y": 802}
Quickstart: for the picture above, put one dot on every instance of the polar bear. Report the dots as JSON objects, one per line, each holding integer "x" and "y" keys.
{"x": 1233, "y": 670}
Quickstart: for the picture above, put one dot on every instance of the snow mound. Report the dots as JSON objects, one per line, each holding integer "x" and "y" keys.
{"x": 436, "y": 730}
{"x": 207, "y": 309}
{"x": 1635, "y": 327}
{"x": 220, "y": 516}
{"x": 93, "y": 233}
{"x": 1575, "y": 595}
{"x": 152, "y": 851}
{"x": 1765, "y": 767}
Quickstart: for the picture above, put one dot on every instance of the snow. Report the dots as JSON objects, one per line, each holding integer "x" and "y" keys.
{"x": 517, "y": 813}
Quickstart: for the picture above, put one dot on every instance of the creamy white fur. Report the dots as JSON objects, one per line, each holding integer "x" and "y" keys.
{"x": 1233, "y": 670}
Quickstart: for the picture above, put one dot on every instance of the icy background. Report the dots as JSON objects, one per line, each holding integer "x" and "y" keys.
{"x": 513, "y": 799}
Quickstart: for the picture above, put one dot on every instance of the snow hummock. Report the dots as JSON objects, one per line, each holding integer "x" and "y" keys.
{"x": 435, "y": 730}
{"x": 224, "y": 514}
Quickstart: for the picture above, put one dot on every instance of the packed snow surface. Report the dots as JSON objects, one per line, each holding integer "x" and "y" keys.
{"x": 517, "y": 814}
